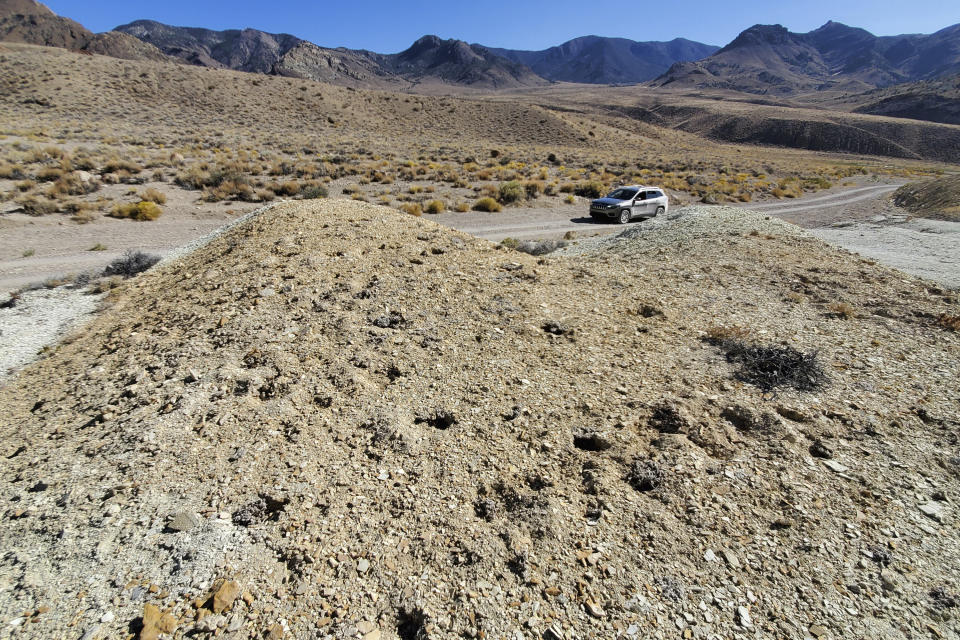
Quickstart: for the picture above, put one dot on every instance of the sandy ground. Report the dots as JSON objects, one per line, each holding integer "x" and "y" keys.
{"x": 33, "y": 249}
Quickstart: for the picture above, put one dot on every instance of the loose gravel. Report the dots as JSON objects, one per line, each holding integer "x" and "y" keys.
{"x": 338, "y": 421}
{"x": 40, "y": 318}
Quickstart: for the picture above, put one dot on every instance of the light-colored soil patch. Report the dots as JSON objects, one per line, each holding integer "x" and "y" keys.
{"x": 925, "y": 248}
{"x": 38, "y": 320}
{"x": 60, "y": 247}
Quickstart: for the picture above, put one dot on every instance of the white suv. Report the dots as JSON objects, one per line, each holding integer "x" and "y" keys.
{"x": 623, "y": 204}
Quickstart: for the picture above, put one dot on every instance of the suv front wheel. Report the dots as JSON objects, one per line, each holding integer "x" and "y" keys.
{"x": 659, "y": 211}
{"x": 624, "y": 216}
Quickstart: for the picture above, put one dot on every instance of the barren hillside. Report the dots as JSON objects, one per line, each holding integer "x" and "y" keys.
{"x": 336, "y": 420}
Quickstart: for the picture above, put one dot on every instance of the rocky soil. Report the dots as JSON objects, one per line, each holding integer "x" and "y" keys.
{"x": 337, "y": 421}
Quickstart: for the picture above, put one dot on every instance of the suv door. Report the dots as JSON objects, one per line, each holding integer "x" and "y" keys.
{"x": 640, "y": 204}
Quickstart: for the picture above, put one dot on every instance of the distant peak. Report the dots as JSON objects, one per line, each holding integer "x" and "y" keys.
{"x": 24, "y": 8}
{"x": 760, "y": 34}
{"x": 429, "y": 41}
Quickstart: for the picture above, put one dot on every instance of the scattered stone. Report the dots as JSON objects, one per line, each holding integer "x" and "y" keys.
{"x": 595, "y": 609}
{"x": 225, "y": 596}
{"x": 554, "y": 632}
{"x": 154, "y": 623}
{"x": 274, "y": 632}
{"x": 888, "y": 581}
{"x": 817, "y": 631}
{"x": 743, "y": 617}
{"x": 935, "y": 511}
{"x": 363, "y": 565}
{"x": 731, "y": 558}
{"x": 184, "y": 521}
{"x": 709, "y": 556}
{"x": 835, "y": 466}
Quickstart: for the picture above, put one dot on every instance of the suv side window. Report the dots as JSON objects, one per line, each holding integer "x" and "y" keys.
{"x": 654, "y": 194}
{"x": 642, "y": 195}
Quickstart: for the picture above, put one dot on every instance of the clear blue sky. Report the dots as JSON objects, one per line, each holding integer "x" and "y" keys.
{"x": 387, "y": 26}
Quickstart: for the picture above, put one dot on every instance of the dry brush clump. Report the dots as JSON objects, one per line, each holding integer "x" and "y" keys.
{"x": 130, "y": 264}
{"x": 487, "y": 204}
{"x": 143, "y": 211}
{"x": 768, "y": 366}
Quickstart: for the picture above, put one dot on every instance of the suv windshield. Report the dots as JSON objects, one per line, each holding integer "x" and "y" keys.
{"x": 622, "y": 194}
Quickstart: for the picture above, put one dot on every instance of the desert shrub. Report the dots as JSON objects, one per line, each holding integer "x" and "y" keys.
{"x": 533, "y": 189}
{"x": 589, "y": 190}
{"x": 552, "y": 158}
{"x": 509, "y": 243}
{"x": 153, "y": 195}
{"x": 718, "y": 335}
{"x": 951, "y": 323}
{"x": 131, "y": 263}
{"x": 569, "y": 199}
{"x": 230, "y": 190}
{"x": 288, "y": 188}
{"x": 313, "y": 192}
{"x": 11, "y": 172}
{"x": 116, "y": 165}
{"x": 462, "y": 207}
{"x": 194, "y": 177}
{"x": 71, "y": 184}
{"x": 435, "y": 206}
{"x": 841, "y": 310}
{"x": 511, "y": 191}
{"x": 35, "y": 206}
{"x": 540, "y": 247}
{"x": 412, "y": 208}
{"x": 49, "y": 174}
{"x": 25, "y": 185}
{"x": 141, "y": 211}
{"x": 487, "y": 204}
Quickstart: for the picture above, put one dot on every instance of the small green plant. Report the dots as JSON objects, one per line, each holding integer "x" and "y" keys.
{"x": 313, "y": 192}
{"x": 98, "y": 247}
{"x": 141, "y": 211}
{"x": 511, "y": 191}
{"x": 589, "y": 190}
{"x": 487, "y": 204}
{"x": 28, "y": 253}
{"x": 569, "y": 199}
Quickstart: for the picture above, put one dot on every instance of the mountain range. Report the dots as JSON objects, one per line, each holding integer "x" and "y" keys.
{"x": 764, "y": 59}
{"x": 30, "y": 22}
{"x": 769, "y": 59}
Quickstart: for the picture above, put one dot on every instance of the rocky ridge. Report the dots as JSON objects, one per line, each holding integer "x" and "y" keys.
{"x": 335, "y": 420}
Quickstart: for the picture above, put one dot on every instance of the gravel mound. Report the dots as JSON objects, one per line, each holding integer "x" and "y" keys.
{"x": 338, "y": 421}
{"x": 685, "y": 224}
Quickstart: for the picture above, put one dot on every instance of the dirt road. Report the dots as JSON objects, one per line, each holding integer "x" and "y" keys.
{"x": 860, "y": 219}
{"x": 821, "y": 209}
